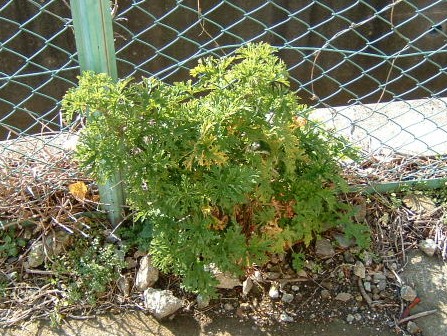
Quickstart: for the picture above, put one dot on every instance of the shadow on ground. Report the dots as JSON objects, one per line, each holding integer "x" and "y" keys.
{"x": 428, "y": 276}
{"x": 140, "y": 324}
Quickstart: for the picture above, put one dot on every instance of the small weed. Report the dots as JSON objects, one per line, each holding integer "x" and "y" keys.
{"x": 298, "y": 261}
{"x": 88, "y": 270}
{"x": 10, "y": 244}
{"x": 3, "y": 287}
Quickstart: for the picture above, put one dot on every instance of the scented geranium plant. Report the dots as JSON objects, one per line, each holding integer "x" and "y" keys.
{"x": 226, "y": 167}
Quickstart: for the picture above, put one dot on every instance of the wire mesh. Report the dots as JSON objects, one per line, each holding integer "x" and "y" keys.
{"x": 374, "y": 70}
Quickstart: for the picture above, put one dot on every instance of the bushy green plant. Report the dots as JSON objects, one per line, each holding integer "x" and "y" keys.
{"x": 227, "y": 167}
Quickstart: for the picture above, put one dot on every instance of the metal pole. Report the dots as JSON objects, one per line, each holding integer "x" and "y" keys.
{"x": 92, "y": 21}
{"x": 387, "y": 188}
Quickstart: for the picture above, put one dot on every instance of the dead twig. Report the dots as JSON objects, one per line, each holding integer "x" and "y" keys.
{"x": 415, "y": 316}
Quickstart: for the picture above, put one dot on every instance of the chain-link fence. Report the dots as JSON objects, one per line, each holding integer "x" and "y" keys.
{"x": 374, "y": 70}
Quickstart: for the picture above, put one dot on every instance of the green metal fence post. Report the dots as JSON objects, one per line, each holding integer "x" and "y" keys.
{"x": 92, "y": 23}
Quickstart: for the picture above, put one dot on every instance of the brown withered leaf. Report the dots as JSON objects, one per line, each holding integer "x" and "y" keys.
{"x": 78, "y": 190}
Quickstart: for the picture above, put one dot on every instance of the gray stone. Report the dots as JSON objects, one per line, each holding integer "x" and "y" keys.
{"x": 36, "y": 255}
{"x": 272, "y": 275}
{"x": 407, "y": 293}
{"x": 287, "y": 298}
{"x": 428, "y": 277}
{"x": 325, "y": 294}
{"x": 357, "y": 317}
{"x": 381, "y": 285}
{"x": 413, "y": 328}
{"x": 324, "y": 249}
{"x": 393, "y": 266}
{"x": 367, "y": 286}
{"x": 274, "y": 291}
{"x": 202, "y": 301}
{"x": 298, "y": 297}
{"x": 348, "y": 257}
{"x": 377, "y": 277}
{"x": 56, "y": 242}
{"x": 428, "y": 246}
{"x": 131, "y": 263}
{"x": 284, "y": 317}
{"x": 161, "y": 303}
{"x": 327, "y": 284}
{"x": 123, "y": 284}
{"x": 350, "y": 318}
{"x": 147, "y": 274}
{"x": 225, "y": 279}
{"x": 344, "y": 297}
{"x": 247, "y": 285}
{"x": 343, "y": 241}
{"x": 360, "y": 270}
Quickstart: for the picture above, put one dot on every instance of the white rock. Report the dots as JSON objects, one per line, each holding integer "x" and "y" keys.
{"x": 274, "y": 291}
{"x": 161, "y": 303}
{"x": 147, "y": 274}
{"x": 247, "y": 285}
{"x": 428, "y": 246}
{"x": 407, "y": 293}
{"x": 257, "y": 276}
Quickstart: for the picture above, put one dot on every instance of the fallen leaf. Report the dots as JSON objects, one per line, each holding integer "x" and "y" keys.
{"x": 419, "y": 203}
{"x": 78, "y": 190}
